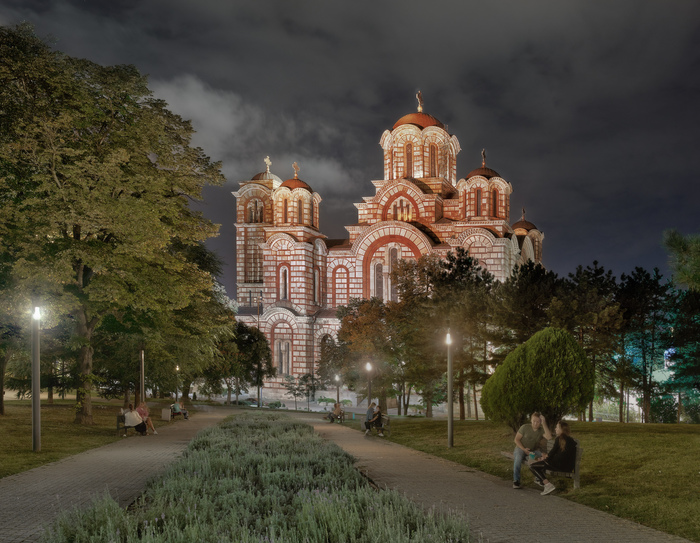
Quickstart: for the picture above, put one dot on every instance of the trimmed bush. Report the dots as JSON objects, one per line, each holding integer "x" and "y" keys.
{"x": 549, "y": 373}
{"x": 259, "y": 477}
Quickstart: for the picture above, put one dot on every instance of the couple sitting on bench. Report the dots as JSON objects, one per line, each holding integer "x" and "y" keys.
{"x": 562, "y": 457}
{"x": 374, "y": 419}
{"x": 179, "y": 409}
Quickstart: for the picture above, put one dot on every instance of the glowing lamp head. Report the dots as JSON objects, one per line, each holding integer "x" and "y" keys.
{"x": 177, "y": 368}
{"x": 337, "y": 377}
{"x": 448, "y": 339}
{"x": 368, "y": 367}
{"x": 37, "y": 314}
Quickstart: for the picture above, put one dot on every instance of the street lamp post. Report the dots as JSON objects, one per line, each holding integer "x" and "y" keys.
{"x": 337, "y": 386}
{"x": 368, "y": 367}
{"x": 450, "y": 410}
{"x": 258, "y": 301}
{"x": 177, "y": 380}
{"x": 36, "y": 380}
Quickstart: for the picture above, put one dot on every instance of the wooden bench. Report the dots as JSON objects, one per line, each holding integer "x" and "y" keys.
{"x": 575, "y": 475}
{"x": 385, "y": 427}
{"x": 121, "y": 425}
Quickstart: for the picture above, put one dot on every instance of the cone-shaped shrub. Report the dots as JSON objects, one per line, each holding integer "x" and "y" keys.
{"x": 549, "y": 373}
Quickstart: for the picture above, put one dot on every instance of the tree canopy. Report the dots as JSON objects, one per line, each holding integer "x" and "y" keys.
{"x": 95, "y": 179}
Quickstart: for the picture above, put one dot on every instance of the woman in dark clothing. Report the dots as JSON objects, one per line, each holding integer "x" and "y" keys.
{"x": 562, "y": 457}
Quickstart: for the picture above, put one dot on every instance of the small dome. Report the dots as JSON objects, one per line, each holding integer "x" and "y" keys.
{"x": 524, "y": 225}
{"x": 266, "y": 176}
{"x": 421, "y": 120}
{"x": 488, "y": 173}
{"x": 295, "y": 183}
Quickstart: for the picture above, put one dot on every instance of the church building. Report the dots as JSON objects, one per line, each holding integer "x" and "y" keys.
{"x": 291, "y": 278}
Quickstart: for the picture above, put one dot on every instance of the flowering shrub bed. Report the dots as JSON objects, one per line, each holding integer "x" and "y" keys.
{"x": 260, "y": 478}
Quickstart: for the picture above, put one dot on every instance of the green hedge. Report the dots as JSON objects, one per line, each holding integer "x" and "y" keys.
{"x": 549, "y": 373}
{"x": 260, "y": 477}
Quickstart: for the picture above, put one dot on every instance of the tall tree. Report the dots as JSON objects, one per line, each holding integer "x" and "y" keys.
{"x": 95, "y": 178}
{"x": 585, "y": 306}
{"x": 644, "y": 299}
{"x": 685, "y": 258}
{"x": 522, "y": 303}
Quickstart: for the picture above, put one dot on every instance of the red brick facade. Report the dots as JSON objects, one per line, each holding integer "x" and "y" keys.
{"x": 419, "y": 207}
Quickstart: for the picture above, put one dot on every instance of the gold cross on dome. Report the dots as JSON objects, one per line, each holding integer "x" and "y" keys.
{"x": 268, "y": 162}
{"x": 296, "y": 170}
{"x": 419, "y": 96}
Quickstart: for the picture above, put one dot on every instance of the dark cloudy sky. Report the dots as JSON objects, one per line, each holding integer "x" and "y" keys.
{"x": 590, "y": 109}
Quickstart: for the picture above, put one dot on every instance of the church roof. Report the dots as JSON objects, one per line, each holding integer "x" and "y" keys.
{"x": 266, "y": 175}
{"x": 488, "y": 173}
{"x": 421, "y": 120}
{"x": 296, "y": 183}
{"x": 525, "y": 225}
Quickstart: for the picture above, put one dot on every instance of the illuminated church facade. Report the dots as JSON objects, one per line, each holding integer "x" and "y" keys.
{"x": 291, "y": 278}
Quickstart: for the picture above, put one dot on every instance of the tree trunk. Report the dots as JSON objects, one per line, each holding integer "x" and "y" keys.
{"x": 186, "y": 391}
{"x": 461, "y": 401}
{"x": 407, "y": 400}
{"x": 83, "y": 399}
{"x": 3, "y": 364}
{"x": 127, "y": 397}
{"x": 428, "y": 399}
{"x": 84, "y": 328}
{"x": 137, "y": 396}
{"x": 680, "y": 406}
{"x": 476, "y": 405}
{"x": 622, "y": 402}
{"x": 469, "y": 400}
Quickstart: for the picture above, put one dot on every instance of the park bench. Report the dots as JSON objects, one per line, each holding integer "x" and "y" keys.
{"x": 385, "y": 428}
{"x": 575, "y": 475}
{"x": 121, "y": 425}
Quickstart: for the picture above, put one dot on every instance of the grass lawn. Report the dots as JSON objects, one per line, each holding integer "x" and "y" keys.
{"x": 649, "y": 473}
{"x": 60, "y": 437}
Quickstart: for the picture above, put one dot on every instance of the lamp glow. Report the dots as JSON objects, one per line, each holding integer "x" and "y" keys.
{"x": 448, "y": 339}
{"x": 37, "y": 314}
{"x": 368, "y": 367}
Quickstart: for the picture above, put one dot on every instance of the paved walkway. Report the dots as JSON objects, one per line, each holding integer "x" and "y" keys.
{"x": 32, "y": 499}
{"x": 494, "y": 510}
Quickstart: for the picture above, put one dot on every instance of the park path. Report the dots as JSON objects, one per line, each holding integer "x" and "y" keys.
{"x": 496, "y": 512}
{"x": 32, "y": 499}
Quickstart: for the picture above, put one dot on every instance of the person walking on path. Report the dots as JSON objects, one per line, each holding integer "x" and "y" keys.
{"x": 562, "y": 457}
{"x": 526, "y": 440}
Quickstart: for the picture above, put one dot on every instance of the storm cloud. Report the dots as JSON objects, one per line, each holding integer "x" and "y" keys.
{"x": 589, "y": 109}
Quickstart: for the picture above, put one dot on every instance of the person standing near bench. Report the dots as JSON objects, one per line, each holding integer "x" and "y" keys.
{"x": 132, "y": 418}
{"x": 526, "y": 440}
{"x": 562, "y": 457}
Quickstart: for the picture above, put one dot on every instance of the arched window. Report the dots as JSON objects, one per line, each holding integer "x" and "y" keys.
{"x": 340, "y": 286}
{"x": 300, "y": 212}
{"x": 317, "y": 287}
{"x": 494, "y": 203}
{"x": 313, "y": 213}
{"x": 393, "y": 259}
{"x": 286, "y": 211}
{"x": 283, "y": 284}
{"x": 379, "y": 281}
{"x": 478, "y": 203}
{"x": 409, "y": 160}
{"x": 284, "y": 357}
{"x": 433, "y": 160}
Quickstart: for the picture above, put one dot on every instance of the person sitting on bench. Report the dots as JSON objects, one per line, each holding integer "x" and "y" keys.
{"x": 179, "y": 409}
{"x": 132, "y": 418}
{"x": 336, "y": 413}
{"x": 562, "y": 457}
